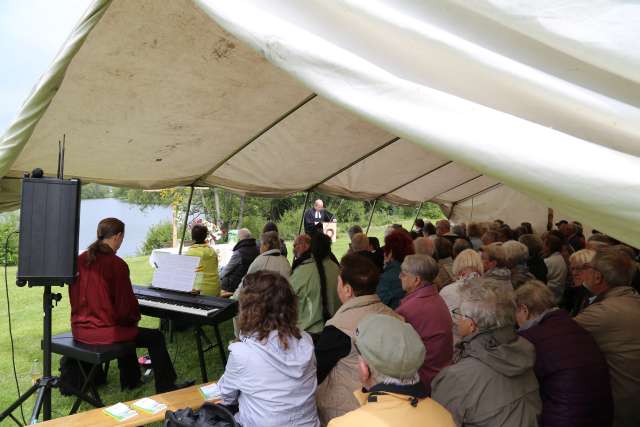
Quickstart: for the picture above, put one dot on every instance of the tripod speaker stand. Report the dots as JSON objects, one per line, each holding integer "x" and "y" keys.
{"x": 49, "y": 222}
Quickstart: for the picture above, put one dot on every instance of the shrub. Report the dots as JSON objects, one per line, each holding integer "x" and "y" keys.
{"x": 9, "y": 223}
{"x": 158, "y": 236}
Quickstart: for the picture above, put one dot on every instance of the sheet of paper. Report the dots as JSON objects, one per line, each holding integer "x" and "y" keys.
{"x": 149, "y": 405}
{"x": 120, "y": 411}
{"x": 210, "y": 392}
{"x": 175, "y": 272}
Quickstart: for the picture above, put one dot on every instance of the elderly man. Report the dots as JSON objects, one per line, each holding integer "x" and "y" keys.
{"x": 613, "y": 319}
{"x": 424, "y": 246}
{"x": 360, "y": 246}
{"x": 336, "y": 356}
{"x": 494, "y": 261}
{"x": 301, "y": 250}
{"x": 315, "y": 216}
{"x": 443, "y": 229}
{"x": 390, "y": 354}
{"x": 427, "y": 312}
{"x": 571, "y": 369}
{"x": 492, "y": 382}
{"x": 244, "y": 252}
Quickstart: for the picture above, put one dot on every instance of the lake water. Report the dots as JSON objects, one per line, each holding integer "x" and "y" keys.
{"x": 137, "y": 222}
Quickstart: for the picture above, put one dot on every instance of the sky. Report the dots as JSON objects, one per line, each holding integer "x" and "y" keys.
{"x": 31, "y": 34}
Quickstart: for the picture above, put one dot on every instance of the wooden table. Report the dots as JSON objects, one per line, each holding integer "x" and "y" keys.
{"x": 179, "y": 399}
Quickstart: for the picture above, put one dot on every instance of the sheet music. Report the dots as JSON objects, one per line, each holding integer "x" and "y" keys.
{"x": 175, "y": 272}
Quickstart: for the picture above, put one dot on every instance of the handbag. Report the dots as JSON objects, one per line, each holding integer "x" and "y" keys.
{"x": 209, "y": 415}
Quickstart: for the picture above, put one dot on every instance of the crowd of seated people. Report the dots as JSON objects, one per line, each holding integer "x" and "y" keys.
{"x": 498, "y": 327}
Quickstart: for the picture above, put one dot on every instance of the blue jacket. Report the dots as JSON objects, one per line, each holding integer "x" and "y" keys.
{"x": 389, "y": 287}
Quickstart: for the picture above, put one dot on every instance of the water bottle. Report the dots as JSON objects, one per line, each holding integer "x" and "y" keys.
{"x": 36, "y": 371}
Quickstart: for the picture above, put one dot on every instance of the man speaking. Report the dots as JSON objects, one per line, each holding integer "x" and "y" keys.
{"x": 314, "y": 217}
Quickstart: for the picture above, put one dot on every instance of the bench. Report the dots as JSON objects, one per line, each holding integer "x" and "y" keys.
{"x": 95, "y": 355}
{"x": 178, "y": 399}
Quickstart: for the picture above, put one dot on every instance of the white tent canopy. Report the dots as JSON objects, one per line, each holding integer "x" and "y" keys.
{"x": 405, "y": 101}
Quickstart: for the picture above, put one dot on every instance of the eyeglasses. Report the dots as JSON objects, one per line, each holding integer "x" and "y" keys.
{"x": 457, "y": 315}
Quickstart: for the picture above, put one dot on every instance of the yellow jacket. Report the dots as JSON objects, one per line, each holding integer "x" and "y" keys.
{"x": 207, "y": 279}
{"x": 380, "y": 407}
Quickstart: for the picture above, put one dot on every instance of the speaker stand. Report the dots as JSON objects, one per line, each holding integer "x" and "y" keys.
{"x": 42, "y": 388}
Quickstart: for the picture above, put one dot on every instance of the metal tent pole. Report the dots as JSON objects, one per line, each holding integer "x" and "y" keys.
{"x": 373, "y": 209}
{"x": 417, "y": 215}
{"x": 304, "y": 207}
{"x": 186, "y": 220}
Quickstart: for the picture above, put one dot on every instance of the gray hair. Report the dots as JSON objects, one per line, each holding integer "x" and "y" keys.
{"x": 271, "y": 240}
{"x": 243, "y": 234}
{"x": 468, "y": 259}
{"x": 616, "y": 267}
{"x": 488, "y": 306}
{"x": 380, "y": 378}
{"x": 536, "y": 296}
{"x": 423, "y": 266}
{"x": 515, "y": 253}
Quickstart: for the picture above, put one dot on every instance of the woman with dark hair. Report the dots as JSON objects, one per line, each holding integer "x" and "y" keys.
{"x": 271, "y": 371}
{"x": 271, "y": 226}
{"x": 397, "y": 245}
{"x": 207, "y": 279}
{"x": 315, "y": 283}
{"x": 104, "y": 309}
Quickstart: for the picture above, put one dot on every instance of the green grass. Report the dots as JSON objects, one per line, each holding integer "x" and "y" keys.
{"x": 26, "y": 315}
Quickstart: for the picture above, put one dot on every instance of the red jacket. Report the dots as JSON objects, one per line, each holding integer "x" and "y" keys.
{"x": 103, "y": 307}
{"x": 427, "y": 312}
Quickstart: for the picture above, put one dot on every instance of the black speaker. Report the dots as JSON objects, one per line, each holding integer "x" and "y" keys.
{"x": 49, "y": 222}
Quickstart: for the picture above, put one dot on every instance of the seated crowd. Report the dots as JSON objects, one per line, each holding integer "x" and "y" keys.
{"x": 478, "y": 325}
{"x": 440, "y": 327}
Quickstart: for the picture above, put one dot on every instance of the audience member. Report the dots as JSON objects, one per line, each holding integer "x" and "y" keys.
{"x": 598, "y": 241}
{"x": 360, "y": 246}
{"x": 489, "y": 237}
{"x": 424, "y": 246}
{"x": 527, "y": 226}
{"x": 613, "y": 320}
{"x": 466, "y": 267}
{"x": 460, "y": 230}
{"x": 270, "y": 257}
{"x": 631, "y": 253}
{"x": 315, "y": 284}
{"x": 443, "y": 229}
{"x": 491, "y": 382}
{"x": 418, "y": 225}
{"x": 390, "y": 354}
{"x": 445, "y": 262}
{"x": 377, "y": 251}
{"x": 475, "y": 235}
{"x": 271, "y": 372}
{"x": 271, "y": 226}
{"x": 576, "y": 297}
{"x": 504, "y": 233}
{"x": 494, "y": 262}
{"x": 516, "y": 256}
{"x": 556, "y": 266}
{"x": 353, "y": 230}
{"x": 244, "y": 253}
{"x": 535, "y": 262}
{"x": 573, "y": 236}
{"x": 207, "y": 280}
{"x": 301, "y": 250}
{"x": 460, "y": 245}
{"x": 429, "y": 229}
{"x": 397, "y": 245}
{"x": 571, "y": 370}
{"x": 336, "y": 356}
{"x": 427, "y": 312}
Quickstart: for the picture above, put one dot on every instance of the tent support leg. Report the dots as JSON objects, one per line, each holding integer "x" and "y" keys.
{"x": 373, "y": 209}
{"x": 186, "y": 220}
{"x": 417, "y": 215}
{"x": 241, "y": 214}
{"x": 304, "y": 208}
{"x": 453, "y": 205}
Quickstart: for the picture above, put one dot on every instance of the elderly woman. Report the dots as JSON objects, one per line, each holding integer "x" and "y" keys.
{"x": 576, "y": 297}
{"x": 271, "y": 372}
{"x": 573, "y": 373}
{"x": 466, "y": 267}
{"x": 397, "y": 245}
{"x": 494, "y": 261}
{"x": 492, "y": 380}
{"x": 516, "y": 256}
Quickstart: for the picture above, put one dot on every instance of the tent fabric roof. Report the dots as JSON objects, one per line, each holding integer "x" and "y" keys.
{"x": 405, "y": 101}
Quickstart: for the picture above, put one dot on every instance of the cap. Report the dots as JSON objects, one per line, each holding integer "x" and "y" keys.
{"x": 389, "y": 345}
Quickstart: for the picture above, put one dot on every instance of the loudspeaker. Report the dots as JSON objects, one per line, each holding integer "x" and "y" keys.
{"x": 49, "y": 222}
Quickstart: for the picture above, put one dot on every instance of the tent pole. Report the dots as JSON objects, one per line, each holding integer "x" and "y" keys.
{"x": 417, "y": 215}
{"x": 304, "y": 207}
{"x": 549, "y": 219}
{"x": 373, "y": 209}
{"x": 241, "y": 214}
{"x": 186, "y": 220}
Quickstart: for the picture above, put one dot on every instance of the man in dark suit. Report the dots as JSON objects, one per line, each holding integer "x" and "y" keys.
{"x": 315, "y": 216}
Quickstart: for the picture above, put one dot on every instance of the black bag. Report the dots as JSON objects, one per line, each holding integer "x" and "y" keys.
{"x": 209, "y": 415}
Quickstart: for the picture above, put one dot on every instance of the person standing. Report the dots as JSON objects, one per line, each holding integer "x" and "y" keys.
{"x": 315, "y": 216}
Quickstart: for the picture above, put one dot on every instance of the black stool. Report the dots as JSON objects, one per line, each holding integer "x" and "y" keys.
{"x": 95, "y": 355}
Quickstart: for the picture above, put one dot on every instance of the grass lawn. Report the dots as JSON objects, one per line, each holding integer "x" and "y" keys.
{"x": 26, "y": 313}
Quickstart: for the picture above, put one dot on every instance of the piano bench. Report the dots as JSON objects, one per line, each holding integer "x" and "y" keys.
{"x": 93, "y": 354}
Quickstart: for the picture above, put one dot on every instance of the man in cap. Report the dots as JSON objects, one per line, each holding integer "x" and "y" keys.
{"x": 391, "y": 352}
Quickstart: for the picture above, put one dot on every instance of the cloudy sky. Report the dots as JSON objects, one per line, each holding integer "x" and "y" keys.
{"x": 31, "y": 33}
